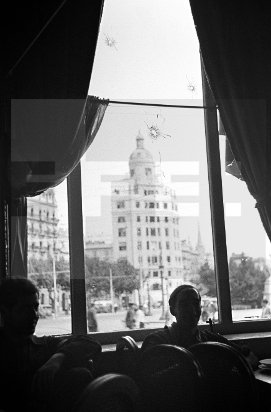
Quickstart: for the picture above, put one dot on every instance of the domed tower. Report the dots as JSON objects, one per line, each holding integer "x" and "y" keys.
{"x": 141, "y": 164}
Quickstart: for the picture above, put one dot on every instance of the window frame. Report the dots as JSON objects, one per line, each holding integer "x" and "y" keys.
{"x": 77, "y": 271}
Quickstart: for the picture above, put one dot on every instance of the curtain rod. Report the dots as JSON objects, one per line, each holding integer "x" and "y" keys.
{"x": 161, "y": 105}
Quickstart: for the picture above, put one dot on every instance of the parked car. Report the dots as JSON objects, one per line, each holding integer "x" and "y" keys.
{"x": 103, "y": 306}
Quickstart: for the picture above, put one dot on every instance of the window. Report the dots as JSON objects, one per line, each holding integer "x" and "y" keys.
{"x": 48, "y": 253}
{"x": 180, "y": 152}
{"x": 153, "y": 232}
{"x": 138, "y": 218}
{"x": 121, "y": 205}
{"x": 152, "y": 218}
{"x": 122, "y": 232}
{"x": 139, "y": 245}
{"x": 167, "y": 245}
{"x": 121, "y": 219}
{"x": 122, "y": 246}
{"x": 147, "y": 231}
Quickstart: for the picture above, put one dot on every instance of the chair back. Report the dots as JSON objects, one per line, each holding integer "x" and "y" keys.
{"x": 229, "y": 380}
{"x": 169, "y": 379}
{"x": 127, "y": 352}
{"x": 109, "y": 393}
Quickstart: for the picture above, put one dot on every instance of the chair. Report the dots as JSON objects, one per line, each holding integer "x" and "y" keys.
{"x": 127, "y": 352}
{"x": 169, "y": 379}
{"x": 109, "y": 393}
{"x": 229, "y": 382}
{"x": 126, "y": 342}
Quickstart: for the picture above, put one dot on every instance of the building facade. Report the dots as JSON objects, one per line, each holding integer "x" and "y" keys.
{"x": 146, "y": 224}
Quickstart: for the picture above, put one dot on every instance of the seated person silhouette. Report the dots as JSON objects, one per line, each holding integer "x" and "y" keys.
{"x": 38, "y": 373}
{"x": 185, "y": 305}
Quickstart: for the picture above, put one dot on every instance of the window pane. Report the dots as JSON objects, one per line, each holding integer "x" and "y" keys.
{"x": 131, "y": 259}
{"x": 48, "y": 258}
{"x": 247, "y": 245}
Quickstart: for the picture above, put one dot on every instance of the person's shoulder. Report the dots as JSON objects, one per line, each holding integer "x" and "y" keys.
{"x": 207, "y": 335}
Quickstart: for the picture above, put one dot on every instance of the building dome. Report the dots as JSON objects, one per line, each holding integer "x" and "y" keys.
{"x": 141, "y": 161}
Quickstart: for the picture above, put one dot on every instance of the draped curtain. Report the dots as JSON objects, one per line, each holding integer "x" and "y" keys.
{"x": 52, "y": 119}
{"x": 234, "y": 40}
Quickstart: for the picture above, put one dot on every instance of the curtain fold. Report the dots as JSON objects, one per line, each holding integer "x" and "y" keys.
{"x": 234, "y": 40}
{"x": 53, "y": 121}
{"x": 46, "y": 142}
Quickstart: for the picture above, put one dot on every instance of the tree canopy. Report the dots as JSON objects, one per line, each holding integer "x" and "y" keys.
{"x": 124, "y": 277}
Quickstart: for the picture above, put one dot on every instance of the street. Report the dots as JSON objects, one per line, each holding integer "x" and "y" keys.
{"x": 109, "y": 322}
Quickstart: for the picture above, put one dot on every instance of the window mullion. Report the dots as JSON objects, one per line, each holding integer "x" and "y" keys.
{"x": 216, "y": 204}
{"x": 76, "y": 245}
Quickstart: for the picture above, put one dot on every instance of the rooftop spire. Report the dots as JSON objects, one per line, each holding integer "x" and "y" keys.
{"x": 139, "y": 140}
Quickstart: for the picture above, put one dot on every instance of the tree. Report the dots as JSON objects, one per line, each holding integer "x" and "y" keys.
{"x": 246, "y": 280}
{"x": 41, "y": 273}
{"x": 124, "y": 277}
{"x": 207, "y": 281}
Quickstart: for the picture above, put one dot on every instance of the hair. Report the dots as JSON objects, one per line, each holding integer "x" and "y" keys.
{"x": 173, "y": 297}
{"x": 12, "y": 289}
{"x": 265, "y": 301}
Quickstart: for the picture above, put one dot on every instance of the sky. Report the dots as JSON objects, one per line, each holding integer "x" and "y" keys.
{"x": 148, "y": 51}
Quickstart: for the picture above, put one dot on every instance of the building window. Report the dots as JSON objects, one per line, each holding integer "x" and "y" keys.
{"x": 169, "y": 273}
{"x": 147, "y": 231}
{"x": 156, "y": 286}
{"x": 158, "y": 219}
{"x": 155, "y": 274}
{"x": 166, "y": 218}
{"x": 122, "y": 246}
{"x": 168, "y": 259}
{"x": 138, "y": 218}
{"x": 165, "y": 205}
{"x": 153, "y": 232}
{"x": 122, "y": 232}
{"x": 152, "y": 219}
{"x": 138, "y": 231}
{"x": 121, "y": 205}
{"x": 121, "y": 219}
{"x": 167, "y": 245}
{"x": 137, "y": 204}
{"x": 166, "y": 231}
{"x": 151, "y": 205}
{"x": 147, "y": 218}
{"x": 148, "y": 171}
{"x": 139, "y": 245}
{"x": 148, "y": 245}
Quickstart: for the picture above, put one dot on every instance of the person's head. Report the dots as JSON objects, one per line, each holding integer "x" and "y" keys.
{"x": 185, "y": 305}
{"x": 265, "y": 302}
{"x": 19, "y": 305}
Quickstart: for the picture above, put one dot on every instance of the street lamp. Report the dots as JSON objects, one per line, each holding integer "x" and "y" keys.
{"x": 161, "y": 268}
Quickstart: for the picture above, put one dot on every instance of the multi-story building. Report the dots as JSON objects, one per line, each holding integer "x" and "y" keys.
{"x": 146, "y": 223}
{"x": 101, "y": 249}
{"x": 42, "y": 225}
